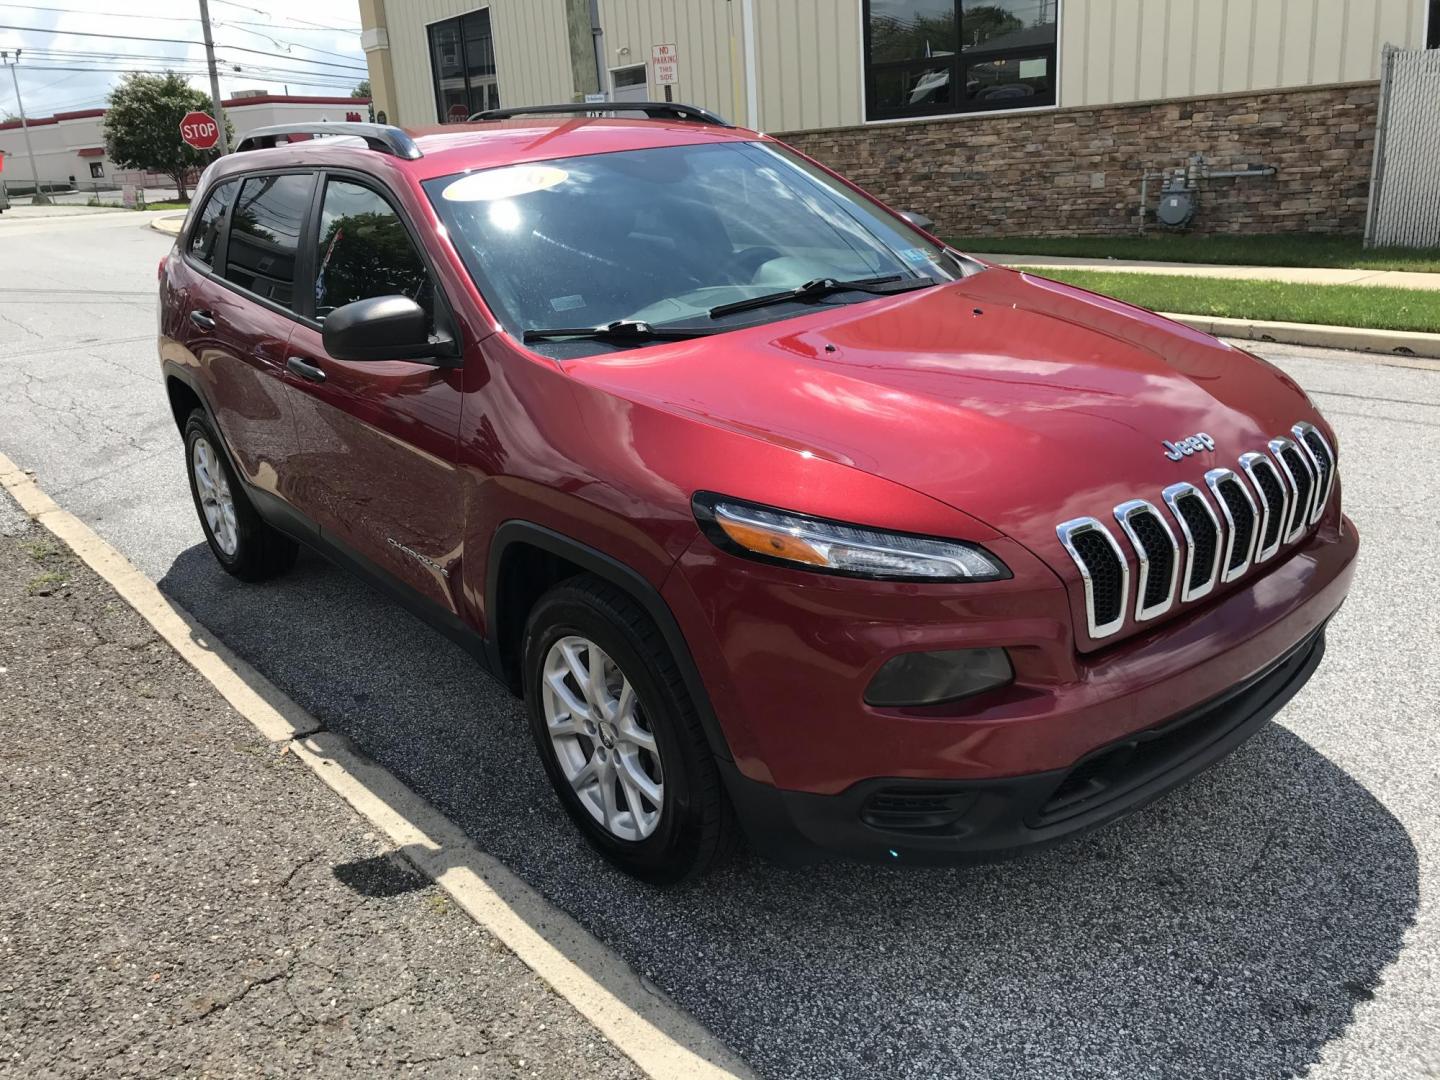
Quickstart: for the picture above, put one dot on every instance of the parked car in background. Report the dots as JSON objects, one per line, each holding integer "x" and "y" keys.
{"x": 783, "y": 517}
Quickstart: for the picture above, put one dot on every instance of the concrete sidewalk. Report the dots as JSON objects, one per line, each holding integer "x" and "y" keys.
{"x": 1298, "y": 275}
{"x": 178, "y": 896}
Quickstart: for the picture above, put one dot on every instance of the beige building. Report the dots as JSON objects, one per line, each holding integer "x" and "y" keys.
{"x": 943, "y": 74}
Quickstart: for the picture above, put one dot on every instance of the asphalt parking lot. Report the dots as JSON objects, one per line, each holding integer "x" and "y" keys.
{"x": 1277, "y": 917}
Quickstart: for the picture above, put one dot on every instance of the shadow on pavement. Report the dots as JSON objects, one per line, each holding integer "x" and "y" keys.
{"x": 1229, "y": 929}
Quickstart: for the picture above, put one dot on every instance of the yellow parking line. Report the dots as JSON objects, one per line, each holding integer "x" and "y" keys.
{"x": 663, "y": 1040}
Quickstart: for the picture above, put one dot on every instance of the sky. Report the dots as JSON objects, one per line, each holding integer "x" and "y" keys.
{"x": 273, "y": 45}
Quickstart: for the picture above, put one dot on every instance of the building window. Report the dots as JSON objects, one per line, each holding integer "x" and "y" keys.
{"x": 932, "y": 57}
{"x": 1432, "y": 26}
{"x": 97, "y": 170}
{"x": 462, "y": 60}
{"x": 629, "y": 83}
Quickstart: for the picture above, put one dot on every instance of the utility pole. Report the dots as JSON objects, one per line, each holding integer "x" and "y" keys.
{"x": 38, "y": 199}
{"x": 224, "y": 143}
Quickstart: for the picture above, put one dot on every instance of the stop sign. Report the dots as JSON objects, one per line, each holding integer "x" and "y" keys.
{"x": 199, "y": 130}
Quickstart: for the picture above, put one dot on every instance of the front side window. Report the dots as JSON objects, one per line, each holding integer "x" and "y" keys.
{"x": 206, "y": 233}
{"x": 265, "y": 233}
{"x": 931, "y": 57}
{"x": 365, "y": 251}
{"x": 666, "y": 236}
{"x": 462, "y": 63}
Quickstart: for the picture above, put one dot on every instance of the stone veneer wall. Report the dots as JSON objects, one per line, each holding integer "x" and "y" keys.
{"x": 1077, "y": 171}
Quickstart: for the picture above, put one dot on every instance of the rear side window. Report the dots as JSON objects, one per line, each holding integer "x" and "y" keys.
{"x": 265, "y": 234}
{"x": 206, "y": 232}
{"x": 365, "y": 251}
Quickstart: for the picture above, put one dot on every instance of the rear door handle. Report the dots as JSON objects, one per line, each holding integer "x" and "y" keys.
{"x": 304, "y": 370}
{"x": 203, "y": 319}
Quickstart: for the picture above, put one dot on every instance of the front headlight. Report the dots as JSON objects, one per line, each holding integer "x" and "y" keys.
{"x": 798, "y": 540}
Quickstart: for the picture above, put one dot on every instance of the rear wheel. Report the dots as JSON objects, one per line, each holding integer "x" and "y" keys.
{"x": 619, "y": 735}
{"x": 239, "y": 539}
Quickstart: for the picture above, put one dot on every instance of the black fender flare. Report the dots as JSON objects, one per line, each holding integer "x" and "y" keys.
{"x": 619, "y": 574}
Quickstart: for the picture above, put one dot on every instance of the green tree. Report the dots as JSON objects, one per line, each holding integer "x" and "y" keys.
{"x": 142, "y": 126}
{"x": 362, "y": 89}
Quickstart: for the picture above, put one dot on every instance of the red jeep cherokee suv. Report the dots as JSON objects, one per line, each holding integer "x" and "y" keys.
{"x": 780, "y": 515}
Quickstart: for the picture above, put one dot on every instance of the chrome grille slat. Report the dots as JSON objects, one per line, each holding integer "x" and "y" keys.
{"x": 1077, "y": 532}
{"x": 1198, "y": 578}
{"x": 1322, "y": 458}
{"x": 1135, "y": 516}
{"x": 1241, "y": 532}
{"x": 1300, "y": 476}
{"x": 1274, "y": 503}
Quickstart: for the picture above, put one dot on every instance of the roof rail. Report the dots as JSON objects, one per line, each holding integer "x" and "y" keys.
{"x": 653, "y": 110}
{"x": 379, "y": 137}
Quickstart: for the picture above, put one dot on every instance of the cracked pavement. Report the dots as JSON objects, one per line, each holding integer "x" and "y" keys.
{"x": 179, "y": 896}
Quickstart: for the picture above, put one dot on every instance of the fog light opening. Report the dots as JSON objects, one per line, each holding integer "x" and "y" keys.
{"x": 935, "y": 678}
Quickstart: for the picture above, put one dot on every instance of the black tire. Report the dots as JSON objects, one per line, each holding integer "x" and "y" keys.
{"x": 696, "y": 828}
{"x": 261, "y": 552}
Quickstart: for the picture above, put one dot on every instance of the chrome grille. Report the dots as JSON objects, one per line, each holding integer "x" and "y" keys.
{"x": 1201, "y": 530}
{"x": 1104, "y": 570}
{"x": 1323, "y": 459}
{"x": 1300, "y": 477}
{"x": 1286, "y": 493}
{"x": 1241, "y": 518}
{"x": 1157, "y": 554}
{"x": 1274, "y": 502}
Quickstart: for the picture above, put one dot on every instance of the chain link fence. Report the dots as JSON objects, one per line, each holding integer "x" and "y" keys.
{"x": 1405, "y": 180}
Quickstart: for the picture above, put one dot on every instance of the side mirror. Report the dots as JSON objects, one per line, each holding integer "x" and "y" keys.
{"x": 383, "y": 328}
{"x": 920, "y": 221}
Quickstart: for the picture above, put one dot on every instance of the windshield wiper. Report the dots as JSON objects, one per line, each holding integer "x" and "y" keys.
{"x": 621, "y": 330}
{"x": 823, "y": 287}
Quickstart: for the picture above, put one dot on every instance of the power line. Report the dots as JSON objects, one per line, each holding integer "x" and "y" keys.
{"x": 298, "y": 59}
{"x": 259, "y": 75}
{"x": 273, "y": 15}
{"x": 286, "y": 65}
{"x": 238, "y": 25}
{"x": 176, "y": 41}
{"x": 90, "y": 33}
{"x": 180, "y": 18}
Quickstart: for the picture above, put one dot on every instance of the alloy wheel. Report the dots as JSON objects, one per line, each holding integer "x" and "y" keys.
{"x": 601, "y": 738}
{"x": 216, "y": 501}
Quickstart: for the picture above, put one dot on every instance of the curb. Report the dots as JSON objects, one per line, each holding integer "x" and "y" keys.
{"x": 1393, "y": 342}
{"x": 170, "y": 226}
{"x": 663, "y": 1041}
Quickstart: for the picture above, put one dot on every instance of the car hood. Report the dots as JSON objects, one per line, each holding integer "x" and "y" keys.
{"x": 1019, "y": 401}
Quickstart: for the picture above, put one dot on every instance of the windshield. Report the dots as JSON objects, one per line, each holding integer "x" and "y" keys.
{"x": 666, "y": 236}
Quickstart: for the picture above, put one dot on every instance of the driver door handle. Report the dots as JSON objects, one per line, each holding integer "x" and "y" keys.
{"x": 203, "y": 319}
{"x": 305, "y": 370}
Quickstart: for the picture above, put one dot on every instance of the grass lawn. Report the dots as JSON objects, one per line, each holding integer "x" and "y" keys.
{"x": 1371, "y": 307}
{"x": 167, "y": 206}
{"x": 1295, "y": 249}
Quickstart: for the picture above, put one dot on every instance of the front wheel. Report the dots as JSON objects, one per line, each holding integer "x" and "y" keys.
{"x": 619, "y": 736}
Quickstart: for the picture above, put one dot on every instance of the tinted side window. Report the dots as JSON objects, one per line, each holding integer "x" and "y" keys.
{"x": 206, "y": 234}
{"x": 365, "y": 251}
{"x": 265, "y": 234}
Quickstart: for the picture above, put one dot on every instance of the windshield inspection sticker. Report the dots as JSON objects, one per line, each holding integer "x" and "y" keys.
{"x": 504, "y": 183}
{"x": 567, "y": 303}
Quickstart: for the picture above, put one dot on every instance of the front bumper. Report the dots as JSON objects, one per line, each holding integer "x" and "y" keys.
{"x": 785, "y": 660}
{"x": 930, "y": 822}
